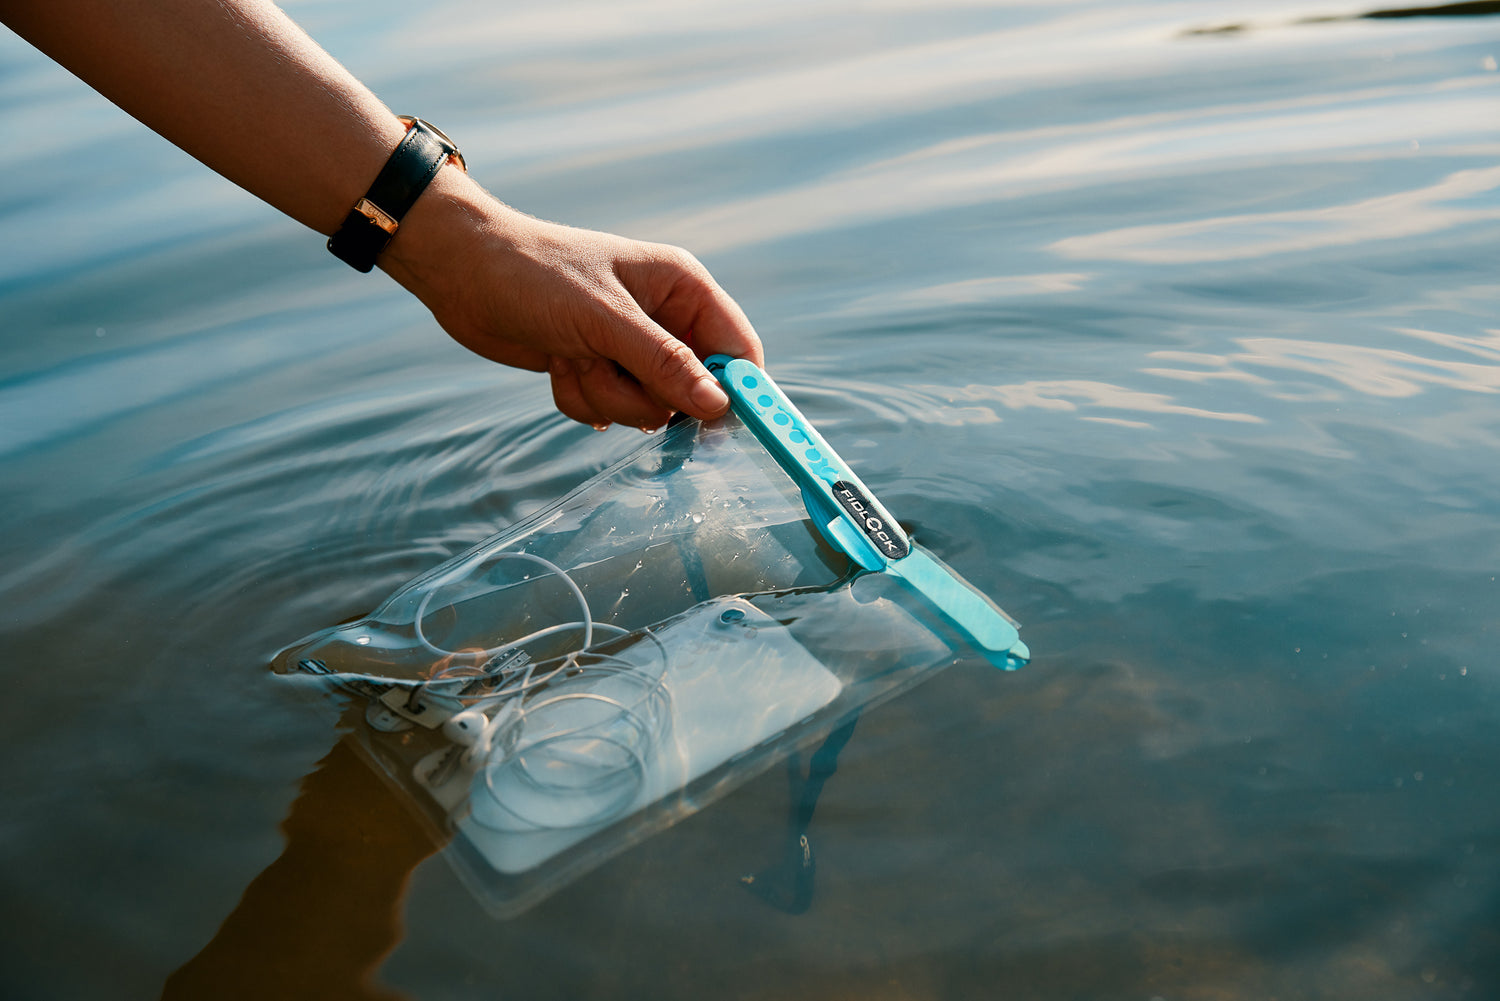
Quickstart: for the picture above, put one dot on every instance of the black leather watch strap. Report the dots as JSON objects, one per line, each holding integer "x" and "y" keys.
{"x": 374, "y": 219}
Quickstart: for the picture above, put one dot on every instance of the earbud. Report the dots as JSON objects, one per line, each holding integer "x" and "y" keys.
{"x": 466, "y": 727}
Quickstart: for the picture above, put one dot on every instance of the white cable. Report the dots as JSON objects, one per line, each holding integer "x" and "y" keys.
{"x": 587, "y": 620}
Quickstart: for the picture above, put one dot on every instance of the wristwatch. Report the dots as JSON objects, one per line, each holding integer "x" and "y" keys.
{"x": 374, "y": 219}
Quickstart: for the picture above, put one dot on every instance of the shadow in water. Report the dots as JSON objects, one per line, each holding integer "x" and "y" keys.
{"x": 789, "y": 884}
{"x": 322, "y": 918}
{"x": 318, "y": 922}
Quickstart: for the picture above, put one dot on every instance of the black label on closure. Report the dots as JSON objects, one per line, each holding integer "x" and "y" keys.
{"x": 889, "y": 540}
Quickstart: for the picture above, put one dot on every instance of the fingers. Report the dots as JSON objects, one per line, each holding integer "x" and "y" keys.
{"x": 682, "y": 303}
{"x": 618, "y": 395}
{"x": 717, "y": 324}
{"x": 726, "y": 330}
{"x": 665, "y": 369}
{"x": 596, "y": 392}
{"x": 696, "y": 304}
{"x": 567, "y": 394}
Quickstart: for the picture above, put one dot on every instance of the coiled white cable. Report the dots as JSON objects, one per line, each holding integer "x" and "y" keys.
{"x": 586, "y": 620}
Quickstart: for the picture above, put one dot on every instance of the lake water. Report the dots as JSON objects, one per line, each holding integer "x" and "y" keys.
{"x": 1171, "y": 325}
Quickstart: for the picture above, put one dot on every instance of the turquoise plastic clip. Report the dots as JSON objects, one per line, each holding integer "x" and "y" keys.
{"x": 850, "y": 517}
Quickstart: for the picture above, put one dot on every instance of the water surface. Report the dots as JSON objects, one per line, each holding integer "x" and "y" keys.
{"x": 1171, "y": 325}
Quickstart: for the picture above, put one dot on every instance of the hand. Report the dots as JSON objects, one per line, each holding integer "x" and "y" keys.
{"x": 615, "y": 322}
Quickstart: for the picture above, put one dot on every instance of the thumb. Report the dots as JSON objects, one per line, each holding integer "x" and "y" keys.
{"x": 666, "y": 367}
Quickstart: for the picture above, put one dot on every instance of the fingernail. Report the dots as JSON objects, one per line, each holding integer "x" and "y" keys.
{"x": 602, "y": 426}
{"x": 708, "y": 397}
{"x": 584, "y": 365}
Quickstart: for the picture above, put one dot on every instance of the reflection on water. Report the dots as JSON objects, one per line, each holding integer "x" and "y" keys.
{"x": 1367, "y": 124}
{"x": 1230, "y": 238}
{"x": 1071, "y": 394}
{"x": 1179, "y": 340}
{"x": 1373, "y": 371}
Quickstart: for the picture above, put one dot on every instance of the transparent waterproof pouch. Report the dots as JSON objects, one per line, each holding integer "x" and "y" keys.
{"x": 624, "y": 657}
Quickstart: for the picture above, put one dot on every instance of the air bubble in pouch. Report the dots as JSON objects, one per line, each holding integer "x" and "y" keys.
{"x": 577, "y": 751}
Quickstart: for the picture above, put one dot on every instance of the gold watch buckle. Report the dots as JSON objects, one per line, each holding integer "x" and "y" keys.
{"x": 376, "y": 214}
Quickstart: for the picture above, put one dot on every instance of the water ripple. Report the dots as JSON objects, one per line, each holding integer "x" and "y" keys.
{"x": 985, "y": 168}
{"x": 1183, "y": 346}
{"x": 1424, "y": 210}
{"x": 1372, "y": 371}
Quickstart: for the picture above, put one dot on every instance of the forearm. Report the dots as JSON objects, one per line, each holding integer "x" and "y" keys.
{"x": 236, "y": 84}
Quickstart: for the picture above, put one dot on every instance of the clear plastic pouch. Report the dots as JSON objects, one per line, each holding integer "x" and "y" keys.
{"x": 621, "y": 659}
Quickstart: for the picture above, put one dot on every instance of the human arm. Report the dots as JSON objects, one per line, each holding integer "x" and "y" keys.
{"x": 240, "y": 87}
